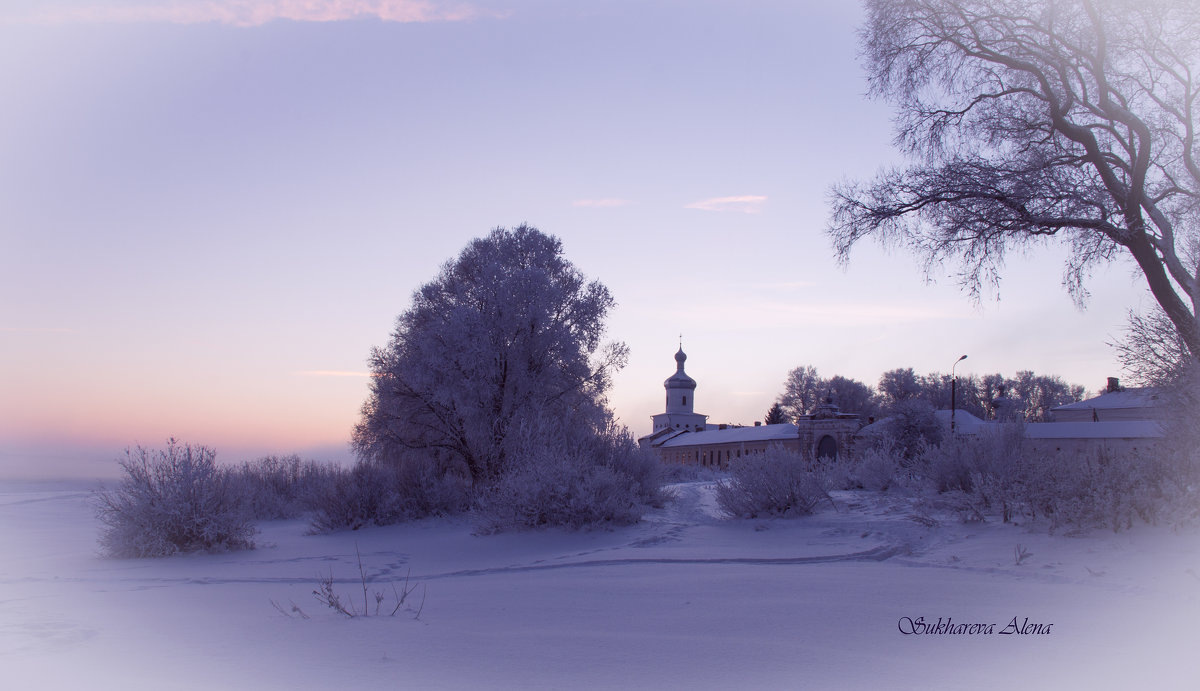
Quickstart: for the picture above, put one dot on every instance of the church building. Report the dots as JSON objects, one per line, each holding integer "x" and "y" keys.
{"x": 681, "y": 399}
{"x": 681, "y": 435}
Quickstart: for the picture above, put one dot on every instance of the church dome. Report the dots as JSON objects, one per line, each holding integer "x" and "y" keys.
{"x": 680, "y": 380}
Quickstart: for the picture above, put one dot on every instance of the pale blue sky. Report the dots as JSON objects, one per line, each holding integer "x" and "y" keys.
{"x": 210, "y": 216}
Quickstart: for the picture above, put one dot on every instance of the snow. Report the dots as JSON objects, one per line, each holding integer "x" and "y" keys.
{"x": 686, "y": 599}
{"x": 732, "y": 435}
{"x": 1115, "y": 429}
{"x": 1144, "y": 398}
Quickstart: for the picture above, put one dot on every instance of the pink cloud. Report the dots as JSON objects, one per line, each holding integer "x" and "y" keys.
{"x": 747, "y": 204}
{"x": 252, "y": 12}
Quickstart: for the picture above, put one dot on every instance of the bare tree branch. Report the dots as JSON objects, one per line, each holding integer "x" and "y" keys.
{"x": 1030, "y": 120}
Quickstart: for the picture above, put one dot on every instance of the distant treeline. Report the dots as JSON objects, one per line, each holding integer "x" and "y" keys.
{"x": 1032, "y": 395}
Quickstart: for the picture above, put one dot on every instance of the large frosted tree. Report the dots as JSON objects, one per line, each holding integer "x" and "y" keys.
{"x": 509, "y": 337}
{"x": 1032, "y": 120}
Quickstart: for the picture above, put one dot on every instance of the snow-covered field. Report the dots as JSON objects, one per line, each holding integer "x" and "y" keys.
{"x": 686, "y": 599}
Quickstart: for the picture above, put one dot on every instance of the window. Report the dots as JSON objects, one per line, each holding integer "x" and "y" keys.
{"x": 685, "y": 399}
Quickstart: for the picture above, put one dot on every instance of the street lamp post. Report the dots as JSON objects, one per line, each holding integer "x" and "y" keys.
{"x": 954, "y": 391}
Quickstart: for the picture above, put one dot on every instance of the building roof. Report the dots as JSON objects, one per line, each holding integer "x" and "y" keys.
{"x": 1118, "y": 429}
{"x": 1145, "y": 397}
{"x": 657, "y": 437}
{"x": 964, "y": 422}
{"x": 735, "y": 435}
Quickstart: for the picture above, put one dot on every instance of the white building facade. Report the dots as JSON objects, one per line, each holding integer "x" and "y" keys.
{"x": 681, "y": 435}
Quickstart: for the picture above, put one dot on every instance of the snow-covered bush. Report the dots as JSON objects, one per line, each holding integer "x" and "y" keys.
{"x": 874, "y": 469}
{"x": 690, "y": 472}
{"x": 999, "y": 451}
{"x": 997, "y": 472}
{"x": 913, "y": 428}
{"x": 357, "y": 497}
{"x": 283, "y": 486}
{"x": 1179, "y": 453}
{"x": 373, "y": 493}
{"x": 571, "y": 476}
{"x": 1096, "y": 489}
{"x": 172, "y": 500}
{"x": 1180, "y": 467}
{"x": 775, "y": 483}
{"x": 562, "y": 491}
{"x": 616, "y": 450}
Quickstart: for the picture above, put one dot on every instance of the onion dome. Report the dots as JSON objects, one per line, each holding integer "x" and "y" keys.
{"x": 680, "y": 380}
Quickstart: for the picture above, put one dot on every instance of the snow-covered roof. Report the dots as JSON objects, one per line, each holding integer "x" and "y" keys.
{"x": 1117, "y": 429}
{"x": 734, "y": 435}
{"x": 963, "y": 422}
{"x": 658, "y": 437}
{"x": 1146, "y": 397}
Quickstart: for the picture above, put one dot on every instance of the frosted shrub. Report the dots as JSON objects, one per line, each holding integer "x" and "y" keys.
{"x": 998, "y": 473}
{"x": 172, "y": 500}
{"x": 575, "y": 476}
{"x": 373, "y": 493}
{"x": 277, "y": 487}
{"x": 557, "y": 491}
{"x": 1179, "y": 454}
{"x": 953, "y": 464}
{"x": 1097, "y": 489}
{"x": 1180, "y": 466}
{"x": 357, "y": 497}
{"x": 875, "y": 469}
{"x": 913, "y": 428}
{"x": 570, "y": 476}
{"x": 616, "y": 450}
{"x": 776, "y": 483}
{"x": 690, "y": 472}
{"x": 386, "y": 493}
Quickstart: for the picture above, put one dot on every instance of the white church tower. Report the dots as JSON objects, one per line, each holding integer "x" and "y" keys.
{"x": 681, "y": 391}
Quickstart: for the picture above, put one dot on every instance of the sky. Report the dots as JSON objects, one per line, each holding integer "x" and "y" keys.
{"x": 211, "y": 210}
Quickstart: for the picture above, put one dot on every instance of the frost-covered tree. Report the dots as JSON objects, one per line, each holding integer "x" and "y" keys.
{"x": 508, "y": 332}
{"x": 913, "y": 427}
{"x": 1038, "y": 394}
{"x": 802, "y": 390}
{"x": 898, "y": 385}
{"x": 853, "y": 396}
{"x": 1037, "y": 120}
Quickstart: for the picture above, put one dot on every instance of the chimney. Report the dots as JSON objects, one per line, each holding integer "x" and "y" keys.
{"x": 758, "y": 423}
{"x": 1114, "y": 384}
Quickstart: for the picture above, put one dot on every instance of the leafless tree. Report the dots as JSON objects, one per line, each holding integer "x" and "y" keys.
{"x": 802, "y": 390}
{"x": 1151, "y": 350}
{"x": 1033, "y": 120}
